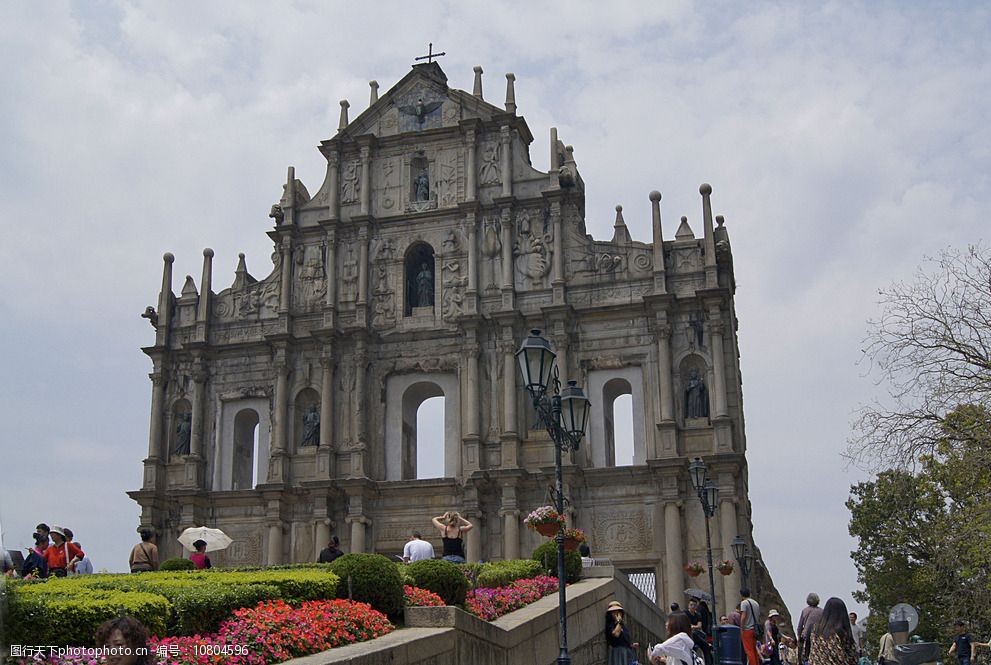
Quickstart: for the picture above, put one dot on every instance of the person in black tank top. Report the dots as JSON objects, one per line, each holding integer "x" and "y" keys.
{"x": 452, "y": 527}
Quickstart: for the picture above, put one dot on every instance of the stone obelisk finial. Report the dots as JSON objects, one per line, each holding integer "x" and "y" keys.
{"x": 660, "y": 285}
{"x": 203, "y": 311}
{"x": 621, "y": 234}
{"x": 710, "y": 243}
{"x": 476, "y": 89}
{"x": 510, "y": 93}
{"x": 373, "y": 96}
{"x": 344, "y": 115}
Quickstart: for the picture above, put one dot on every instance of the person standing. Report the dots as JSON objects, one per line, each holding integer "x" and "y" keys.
{"x": 831, "y": 640}
{"x": 62, "y": 556}
{"x": 808, "y": 618}
{"x": 85, "y": 566}
{"x": 36, "y": 565}
{"x": 772, "y": 637}
{"x": 677, "y": 649}
{"x": 417, "y": 549}
{"x": 331, "y": 552}
{"x": 199, "y": 557}
{"x": 452, "y": 528}
{"x": 700, "y": 629}
{"x": 963, "y": 647}
{"x": 886, "y": 650}
{"x": 859, "y": 632}
{"x": 622, "y": 650}
{"x": 144, "y": 555}
{"x": 749, "y": 618}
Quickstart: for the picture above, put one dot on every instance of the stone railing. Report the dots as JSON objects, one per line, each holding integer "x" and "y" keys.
{"x": 529, "y": 636}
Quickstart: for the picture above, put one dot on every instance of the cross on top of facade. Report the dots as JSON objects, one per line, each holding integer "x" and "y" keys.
{"x": 429, "y": 57}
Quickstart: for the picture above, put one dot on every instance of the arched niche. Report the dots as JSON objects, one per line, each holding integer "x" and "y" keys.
{"x": 420, "y": 278}
{"x": 242, "y": 446}
{"x": 404, "y": 395}
{"x": 180, "y": 428}
{"x": 604, "y": 386}
{"x": 306, "y": 419}
{"x": 693, "y": 401}
{"x": 611, "y": 392}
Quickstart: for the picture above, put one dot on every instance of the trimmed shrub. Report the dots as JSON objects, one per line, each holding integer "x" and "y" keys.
{"x": 41, "y": 615}
{"x": 546, "y": 555}
{"x": 444, "y": 578}
{"x": 404, "y": 574}
{"x": 177, "y": 563}
{"x": 503, "y": 573}
{"x": 374, "y": 580}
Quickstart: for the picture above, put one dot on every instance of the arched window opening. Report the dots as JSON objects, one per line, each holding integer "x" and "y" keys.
{"x": 423, "y": 449}
{"x": 245, "y": 472}
{"x": 617, "y": 402}
{"x": 430, "y": 439}
{"x": 420, "y": 278}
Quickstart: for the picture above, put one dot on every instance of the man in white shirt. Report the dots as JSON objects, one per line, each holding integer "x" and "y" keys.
{"x": 417, "y": 549}
{"x": 859, "y": 632}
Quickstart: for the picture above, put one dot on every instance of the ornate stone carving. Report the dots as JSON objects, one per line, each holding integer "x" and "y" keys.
{"x": 609, "y": 263}
{"x": 311, "y": 284}
{"x": 489, "y": 169}
{"x": 447, "y": 178}
{"x": 351, "y": 182}
{"x": 349, "y": 275}
{"x": 491, "y": 251}
{"x": 642, "y": 262}
{"x": 391, "y": 189}
{"x": 384, "y": 304}
{"x": 622, "y": 530}
{"x": 452, "y": 303}
{"x": 386, "y": 250}
{"x": 694, "y": 330}
{"x": 245, "y": 550}
{"x": 532, "y": 250}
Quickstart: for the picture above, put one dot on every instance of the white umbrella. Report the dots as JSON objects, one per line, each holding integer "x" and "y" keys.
{"x": 215, "y": 539}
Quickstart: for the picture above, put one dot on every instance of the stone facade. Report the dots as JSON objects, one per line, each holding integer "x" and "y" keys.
{"x": 283, "y": 408}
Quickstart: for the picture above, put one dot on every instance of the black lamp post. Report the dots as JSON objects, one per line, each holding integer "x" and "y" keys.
{"x": 564, "y": 414}
{"x": 743, "y": 556}
{"x": 708, "y": 494}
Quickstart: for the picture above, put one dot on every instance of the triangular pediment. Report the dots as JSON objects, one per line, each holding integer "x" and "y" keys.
{"x": 421, "y": 100}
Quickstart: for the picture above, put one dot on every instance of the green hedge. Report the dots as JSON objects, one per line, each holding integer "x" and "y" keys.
{"x": 192, "y": 601}
{"x": 71, "y": 619}
{"x": 374, "y": 580}
{"x": 546, "y": 555}
{"x": 177, "y": 563}
{"x": 444, "y": 578}
{"x": 503, "y": 573}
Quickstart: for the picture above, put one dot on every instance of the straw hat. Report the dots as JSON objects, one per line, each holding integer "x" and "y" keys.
{"x": 773, "y": 613}
{"x": 614, "y": 605}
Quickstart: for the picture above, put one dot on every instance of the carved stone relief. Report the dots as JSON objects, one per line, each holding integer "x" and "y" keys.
{"x": 489, "y": 171}
{"x": 389, "y": 179}
{"x": 244, "y": 550}
{"x": 452, "y": 303}
{"x": 384, "y": 304}
{"x": 446, "y": 178}
{"x": 532, "y": 250}
{"x": 419, "y": 109}
{"x": 349, "y": 275}
{"x": 621, "y": 531}
{"x": 311, "y": 283}
{"x": 491, "y": 253}
{"x": 351, "y": 182}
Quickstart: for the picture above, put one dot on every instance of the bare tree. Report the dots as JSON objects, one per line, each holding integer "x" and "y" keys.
{"x": 931, "y": 348}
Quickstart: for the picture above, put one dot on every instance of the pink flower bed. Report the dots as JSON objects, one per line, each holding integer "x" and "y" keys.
{"x": 489, "y": 604}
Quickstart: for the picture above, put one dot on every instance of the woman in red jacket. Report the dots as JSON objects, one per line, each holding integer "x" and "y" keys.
{"x": 61, "y": 555}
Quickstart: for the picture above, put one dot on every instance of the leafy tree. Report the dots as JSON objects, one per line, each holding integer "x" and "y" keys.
{"x": 925, "y": 534}
{"x": 931, "y": 346}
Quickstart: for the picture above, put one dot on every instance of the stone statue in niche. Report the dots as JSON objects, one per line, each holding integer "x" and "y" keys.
{"x": 183, "y": 434}
{"x": 491, "y": 250}
{"x": 424, "y": 287}
{"x": 696, "y": 397}
{"x": 489, "y": 171}
{"x": 422, "y": 187}
{"x": 311, "y": 427}
{"x": 694, "y": 330}
{"x": 351, "y": 182}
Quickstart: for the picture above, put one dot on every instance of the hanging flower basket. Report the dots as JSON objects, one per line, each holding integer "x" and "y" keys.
{"x": 725, "y": 567}
{"x": 694, "y": 568}
{"x": 545, "y": 520}
{"x": 573, "y": 538}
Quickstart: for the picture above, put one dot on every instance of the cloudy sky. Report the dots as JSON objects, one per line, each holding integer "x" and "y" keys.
{"x": 844, "y": 143}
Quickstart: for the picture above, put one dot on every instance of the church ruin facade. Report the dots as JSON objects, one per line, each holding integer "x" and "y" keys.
{"x": 284, "y": 408}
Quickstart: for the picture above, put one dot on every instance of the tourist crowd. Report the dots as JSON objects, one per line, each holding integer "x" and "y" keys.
{"x": 56, "y": 553}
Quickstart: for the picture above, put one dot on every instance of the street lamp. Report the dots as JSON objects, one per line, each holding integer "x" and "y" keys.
{"x": 708, "y": 494}
{"x": 564, "y": 414}
{"x": 743, "y": 556}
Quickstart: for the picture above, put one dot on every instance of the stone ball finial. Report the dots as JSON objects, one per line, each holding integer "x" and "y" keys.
{"x": 511, "y": 76}
{"x": 373, "y": 84}
{"x": 168, "y": 257}
{"x": 345, "y": 103}
{"x": 619, "y": 208}
{"x": 705, "y": 189}
{"x": 477, "y": 69}
{"x": 240, "y": 255}
{"x": 720, "y": 220}
{"x": 684, "y": 219}
{"x": 208, "y": 252}
{"x": 655, "y": 196}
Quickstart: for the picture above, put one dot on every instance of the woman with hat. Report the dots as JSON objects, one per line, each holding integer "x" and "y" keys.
{"x": 62, "y": 556}
{"x": 622, "y": 651}
{"x": 772, "y": 638}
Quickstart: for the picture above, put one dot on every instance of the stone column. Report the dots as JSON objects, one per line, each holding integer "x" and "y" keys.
{"x": 664, "y": 371}
{"x": 660, "y": 282}
{"x": 331, "y": 264}
{"x": 327, "y": 401}
{"x": 507, "y": 161}
{"x": 155, "y": 433}
{"x": 363, "y": 265}
{"x": 322, "y": 537}
{"x": 716, "y": 329}
{"x": 357, "y": 523}
{"x": 509, "y": 388}
{"x": 557, "y": 261}
{"x": 507, "y": 251}
{"x": 674, "y": 554}
{"x": 360, "y": 367}
{"x": 473, "y": 540}
{"x": 471, "y": 169}
{"x": 286, "y": 275}
{"x": 727, "y": 532}
{"x": 365, "y": 179}
{"x": 471, "y": 389}
{"x": 196, "y": 434}
{"x": 281, "y": 414}
{"x": 274, "y": 544}
{"x": 206, "y": 287}
{"x": 165, "y": 301}
{"x": 333, "y": 200}
{"x": 561, "y": 348}
{"x": 511, "y": 533}
{"x": 472, "y": 289}
{"x": 711, "y": 278}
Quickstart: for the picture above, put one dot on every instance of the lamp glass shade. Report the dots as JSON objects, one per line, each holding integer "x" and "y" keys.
{"x": 536, "y": 364}
{"x": 574, "y": 412}
{"x": 698, "y": 473}
{"x": 739, "y": 548}
{"x": 711, "y": 497}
